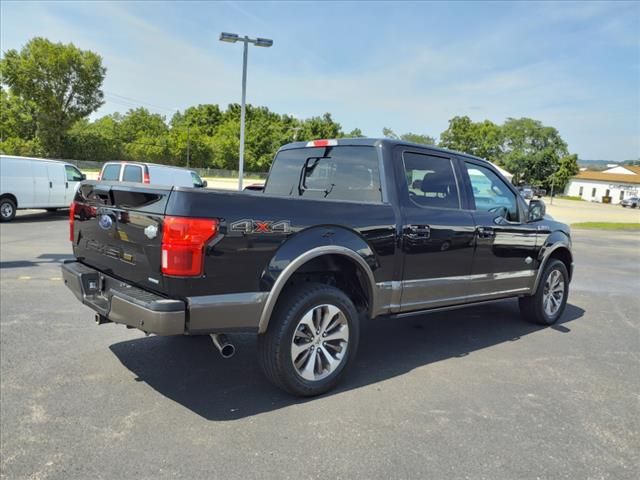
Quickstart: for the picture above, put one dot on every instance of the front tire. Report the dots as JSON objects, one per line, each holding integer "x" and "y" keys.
{"x": 547, "y": 305}
{"x": 311, "y": 340}
{"x": 7, "y": 209}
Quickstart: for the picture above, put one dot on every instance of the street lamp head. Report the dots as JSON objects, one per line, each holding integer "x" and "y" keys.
{"x": 229, "y": 37}
{"x": 263, "y": 42}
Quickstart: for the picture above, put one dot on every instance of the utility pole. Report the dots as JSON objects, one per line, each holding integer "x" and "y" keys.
{"x": 188, "y": 145}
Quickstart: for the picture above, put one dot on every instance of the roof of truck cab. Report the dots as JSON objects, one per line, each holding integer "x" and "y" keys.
{"x": 374, "y": 142}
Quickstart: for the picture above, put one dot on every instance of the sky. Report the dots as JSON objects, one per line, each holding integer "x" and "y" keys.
{"x": 409, "y": 66}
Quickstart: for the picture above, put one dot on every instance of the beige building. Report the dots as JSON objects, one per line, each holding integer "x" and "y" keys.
{"x": 618, "y": 183}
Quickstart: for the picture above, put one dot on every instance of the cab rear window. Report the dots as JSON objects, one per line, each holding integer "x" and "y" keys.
{"x": 348, "y": 173}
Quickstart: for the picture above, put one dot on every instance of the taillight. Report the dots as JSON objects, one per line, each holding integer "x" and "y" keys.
{"x": 72, "y": 218}
{"x": 183, "y": 244}
{"x": 145, "y": 177}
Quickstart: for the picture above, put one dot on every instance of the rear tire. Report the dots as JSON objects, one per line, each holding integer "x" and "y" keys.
{"x": 547, "y": 305}
{"x": 7, "y": 209}
{"x": 311, "y": 340}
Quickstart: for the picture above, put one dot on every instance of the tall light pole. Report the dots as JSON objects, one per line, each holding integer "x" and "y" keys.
{"x": 258, "y": 42}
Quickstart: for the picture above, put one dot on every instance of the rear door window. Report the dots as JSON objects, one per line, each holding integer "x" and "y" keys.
{"x": 334, "y": 173}
{"x": 132, "y": 173}
{"x": 111, "y": 172}
{"x": 431, "y": 181}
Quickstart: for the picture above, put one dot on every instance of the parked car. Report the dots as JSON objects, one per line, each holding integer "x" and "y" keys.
{"x": 632, "y": 202}
{"x": 342, "y": 232}
{"x": 526, "y": 192}
{"x": 35, "y": 183}
{"x": 151, "y": 173}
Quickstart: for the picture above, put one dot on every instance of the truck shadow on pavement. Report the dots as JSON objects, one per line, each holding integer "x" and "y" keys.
{"x": 44, "y": 259}
{"x": 190, "y": 371}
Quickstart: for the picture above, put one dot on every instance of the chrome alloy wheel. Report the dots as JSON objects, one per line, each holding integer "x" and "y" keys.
{"x": 320, "y": 342}
{"x": 553, "y": 293}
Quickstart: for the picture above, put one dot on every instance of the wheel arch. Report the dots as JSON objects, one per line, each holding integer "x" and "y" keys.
{"x": 314, "y": 248}
{"x": 10, "y": 196}
{"x": 560, "y": 249}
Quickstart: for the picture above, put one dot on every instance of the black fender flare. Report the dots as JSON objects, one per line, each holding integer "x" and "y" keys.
{"x": 307, "y": 245}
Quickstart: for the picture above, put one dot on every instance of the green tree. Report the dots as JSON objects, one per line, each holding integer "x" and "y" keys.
{"x": 320, "y": 127}
{"x": 409, "y": 137}
{"x": 482, "y": 139}
{"x": 355, "y": 133}
{"x": 61, "y": 81}
{"x": 567, "y": 168}
{"x": 532, "y": 151}
{"x": 17, "y": 117}
{"x": 205, "y": 118}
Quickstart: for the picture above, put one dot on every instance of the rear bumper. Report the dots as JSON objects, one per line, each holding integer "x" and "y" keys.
{"x": 123, "y": 303}
{"x": 126, "y": 304}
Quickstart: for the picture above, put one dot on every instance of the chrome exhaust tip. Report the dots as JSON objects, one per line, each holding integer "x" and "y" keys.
{"x": 226, "y": 348}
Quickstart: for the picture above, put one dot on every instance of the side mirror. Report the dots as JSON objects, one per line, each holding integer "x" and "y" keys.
{"x": 204, "y": 183}
{"x": 537, "y": 210}
{"x": 83, "y": 176}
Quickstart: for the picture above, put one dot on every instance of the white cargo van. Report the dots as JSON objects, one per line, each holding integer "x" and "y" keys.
{"x": 150, "y": 173}
{"x": 35, "y": 183}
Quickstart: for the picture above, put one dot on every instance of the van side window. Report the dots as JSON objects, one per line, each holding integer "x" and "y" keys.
{"x": 490, "y": 192}
{"x": 132, "y": 173}
{"x": 111, "y": 172}
{"x": 431, "y": 181}
{"x": 73, "y": 174}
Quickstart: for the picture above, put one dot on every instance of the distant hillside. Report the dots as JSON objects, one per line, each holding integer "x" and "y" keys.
{"x": 602, "y": 164}
{"x": 595, "y": 164}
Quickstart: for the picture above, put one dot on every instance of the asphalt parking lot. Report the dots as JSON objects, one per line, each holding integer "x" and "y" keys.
{"x": 474, "y": 393}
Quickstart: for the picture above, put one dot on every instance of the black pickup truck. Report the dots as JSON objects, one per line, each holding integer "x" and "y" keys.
{"x": 343, "y": 231}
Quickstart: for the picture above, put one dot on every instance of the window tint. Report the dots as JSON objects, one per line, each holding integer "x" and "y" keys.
{"x": 334, "y": 173}
{"x": 132, "y": 173}
{"x": 111, "y": 172}
{"x": 73, "y": 174}
{"x": 490, "y": 192}
{"x": 431, "y": 181}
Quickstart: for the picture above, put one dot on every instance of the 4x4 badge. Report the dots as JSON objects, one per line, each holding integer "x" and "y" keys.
{"x": 248, "y": 225}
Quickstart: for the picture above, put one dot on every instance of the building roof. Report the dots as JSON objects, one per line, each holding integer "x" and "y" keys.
{"x": 610, "y": 177}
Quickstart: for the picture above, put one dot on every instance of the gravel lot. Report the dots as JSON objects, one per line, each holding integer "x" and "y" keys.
{"x": 475, "y": 393}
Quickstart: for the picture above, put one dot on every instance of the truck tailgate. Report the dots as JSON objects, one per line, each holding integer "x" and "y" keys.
{"x": 117, "y": 228}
